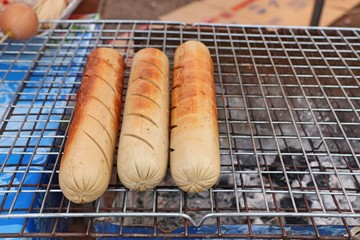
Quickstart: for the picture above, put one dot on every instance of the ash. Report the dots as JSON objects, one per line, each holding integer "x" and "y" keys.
{"x": 289, "y": 157}
{"x": 279, "y": 154}
{"x": 322, "y": 189}
{"x": 269, "y": 188}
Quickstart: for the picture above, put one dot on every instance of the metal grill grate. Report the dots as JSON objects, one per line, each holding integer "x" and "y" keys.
{"x": 288, "y": 102}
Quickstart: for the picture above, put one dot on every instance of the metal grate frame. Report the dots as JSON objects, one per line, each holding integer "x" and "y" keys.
{"x": 288, "y": 102}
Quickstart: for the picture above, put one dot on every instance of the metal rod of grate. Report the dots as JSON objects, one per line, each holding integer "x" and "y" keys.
{"x": 289, "y": 119}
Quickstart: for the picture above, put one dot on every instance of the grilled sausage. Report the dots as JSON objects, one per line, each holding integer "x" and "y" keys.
{"x": 87, "y": 161}
{"x": 195, "y": 155}
{"x": 144, "y": 139}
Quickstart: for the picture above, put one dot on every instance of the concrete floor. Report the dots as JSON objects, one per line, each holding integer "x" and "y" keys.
{"x": 350, "y": 19}
{"x": 138, "y": 9}
{"x": 152, "y": 9}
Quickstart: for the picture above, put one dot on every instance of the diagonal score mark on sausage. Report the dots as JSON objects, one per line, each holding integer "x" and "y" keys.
{"x": 144, "y": 117}
{"x": 146, "y": 97}
{"x": 97, "y": 144}
{"x": 107, "y": 108}
{"x": 179, "y": 67}
{"x": 100, "y": 123}
{"x": 104, "y": 80}
{"x": 176, "y": 86}
{"x": 157, "y": 67}
{"x": 140, "y": 138}
{"x": 149, "y": 81}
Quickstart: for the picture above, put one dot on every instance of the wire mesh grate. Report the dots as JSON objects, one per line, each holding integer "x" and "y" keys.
{"x": 288, "y": 103}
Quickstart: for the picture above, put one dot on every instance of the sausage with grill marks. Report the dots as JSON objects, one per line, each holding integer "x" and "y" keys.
{"x": 194, "y": 137}
{"x": 87, "y": 161}
{"x": 144, "y": 140}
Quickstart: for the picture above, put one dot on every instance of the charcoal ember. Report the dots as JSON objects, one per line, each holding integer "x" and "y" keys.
{"x": 224, "y": 181}
{"x": 267, "y": 220}
{"x": 286, "y": 203}
{"x": 259, "y": 221}
{"x": 353, "y": 163}
{"x": 248, "y": 162}
{"x": 351, "y": 185}
{"x": 251, "y": 179}
{"x": 315, "y": 206}
{"x": 292, "y": 163}
{"x": 320, "y": 181}
{"x": 256, "y": 201}
{"x": 357, "y": 180}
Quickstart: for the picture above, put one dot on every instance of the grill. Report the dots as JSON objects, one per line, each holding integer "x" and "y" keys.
{"x": 288, "y": 102}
